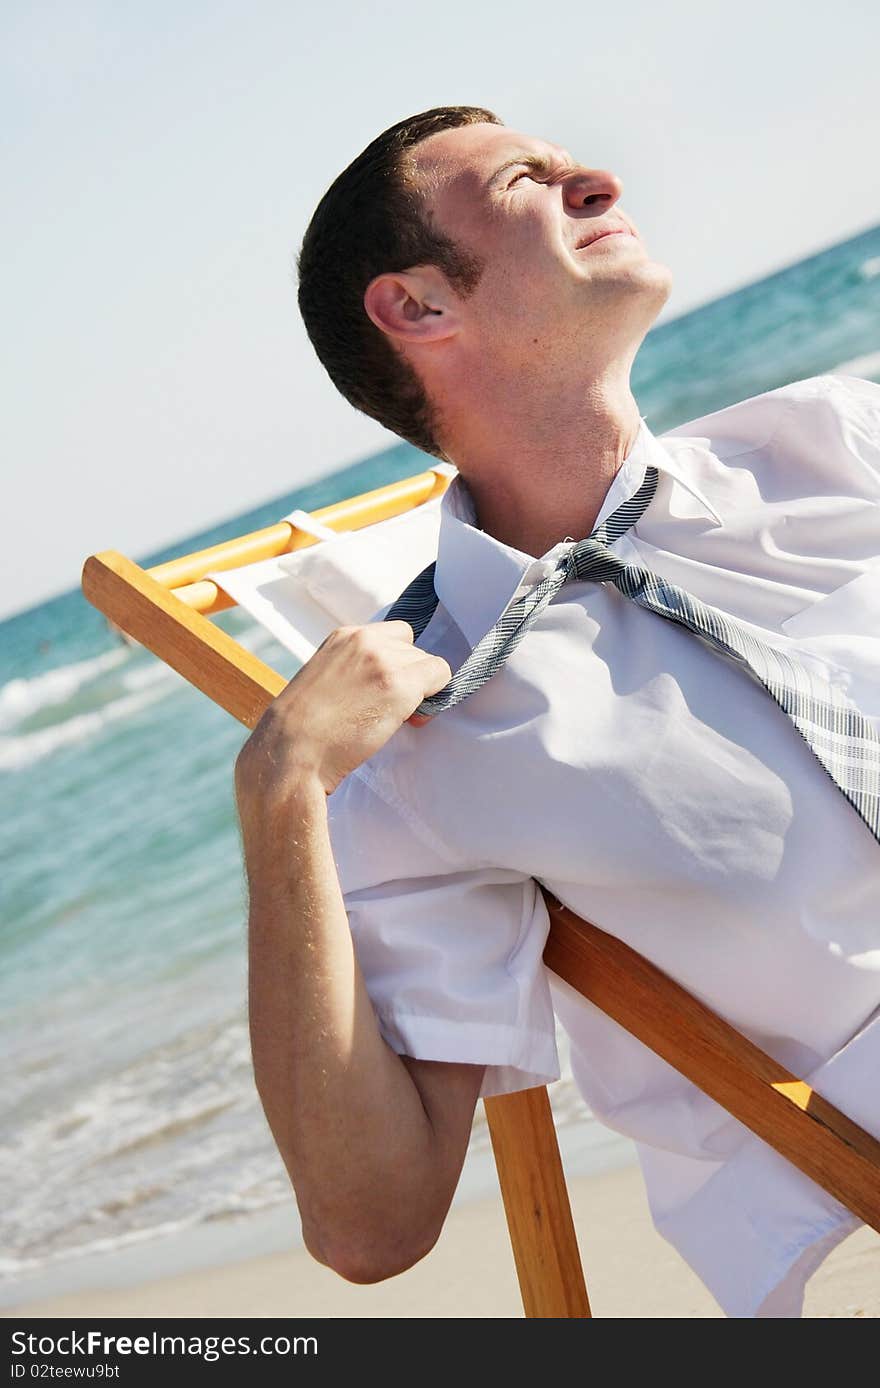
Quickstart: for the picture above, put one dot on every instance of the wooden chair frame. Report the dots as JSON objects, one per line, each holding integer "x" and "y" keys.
{"x": 167, "y": 609}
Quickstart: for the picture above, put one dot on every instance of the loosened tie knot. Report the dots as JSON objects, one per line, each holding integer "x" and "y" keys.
{"x": 592, "y": 561}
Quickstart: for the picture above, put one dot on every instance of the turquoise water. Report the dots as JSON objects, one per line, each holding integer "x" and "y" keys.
{"x": 128, "y": 1109}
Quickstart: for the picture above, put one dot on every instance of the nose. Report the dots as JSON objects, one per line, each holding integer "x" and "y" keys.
{"x": 592, "y": 188}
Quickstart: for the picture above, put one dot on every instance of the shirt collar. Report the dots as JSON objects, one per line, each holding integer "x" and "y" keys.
{"x": 477, "y": 576}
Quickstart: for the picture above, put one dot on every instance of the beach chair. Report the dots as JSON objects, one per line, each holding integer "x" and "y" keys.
{"x": 168, "y": 610}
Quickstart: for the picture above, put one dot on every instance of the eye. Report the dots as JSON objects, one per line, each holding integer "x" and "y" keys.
{"x": 523, "y": 173}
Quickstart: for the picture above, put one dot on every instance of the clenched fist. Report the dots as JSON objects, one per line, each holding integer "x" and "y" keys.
{"x": 345, "y": 703}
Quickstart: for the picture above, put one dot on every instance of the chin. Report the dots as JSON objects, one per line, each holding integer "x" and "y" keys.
{"x": 628, "y": 304}
{"x": 653, "y": 269}
{"x": 662, "y": 281}
{"x": 648, "y": 278}
{"x": 663, "y": 272}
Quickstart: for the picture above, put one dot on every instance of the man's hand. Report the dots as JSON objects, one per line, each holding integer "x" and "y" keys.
{"x": 343, "y": 705}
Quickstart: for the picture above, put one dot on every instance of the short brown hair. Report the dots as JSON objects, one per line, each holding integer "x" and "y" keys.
{"x": 372, "y": 220}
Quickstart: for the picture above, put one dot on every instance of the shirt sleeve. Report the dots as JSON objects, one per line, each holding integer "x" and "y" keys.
{"x": 451, "y": 954}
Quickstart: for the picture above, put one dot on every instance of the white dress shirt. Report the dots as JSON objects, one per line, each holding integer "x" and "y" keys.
{"x": 659, "y": 792}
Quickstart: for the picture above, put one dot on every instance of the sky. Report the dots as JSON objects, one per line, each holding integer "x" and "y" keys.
{"x": 161, "y": 162}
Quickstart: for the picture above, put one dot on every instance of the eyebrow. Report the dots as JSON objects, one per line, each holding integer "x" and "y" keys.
{"x": 538, "y": 163}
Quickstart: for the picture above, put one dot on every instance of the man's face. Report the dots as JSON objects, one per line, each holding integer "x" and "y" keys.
{"x": 527, "y": 209}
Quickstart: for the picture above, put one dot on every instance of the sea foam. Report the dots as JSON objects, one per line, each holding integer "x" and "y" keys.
{"x": 21, "y": 698}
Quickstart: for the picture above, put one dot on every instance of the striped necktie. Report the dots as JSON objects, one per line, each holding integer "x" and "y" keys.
{"x": 846, "y": 744}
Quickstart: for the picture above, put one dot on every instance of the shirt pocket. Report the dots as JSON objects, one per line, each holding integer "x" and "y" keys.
{"x": 853, "y": 609}
{"x": 840, "y": 635}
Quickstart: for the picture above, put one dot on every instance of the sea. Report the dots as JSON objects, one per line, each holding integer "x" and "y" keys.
{"x": 128, "y": 1114}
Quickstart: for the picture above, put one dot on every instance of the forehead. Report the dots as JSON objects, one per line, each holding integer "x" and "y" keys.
{"x": 470, "y": 154}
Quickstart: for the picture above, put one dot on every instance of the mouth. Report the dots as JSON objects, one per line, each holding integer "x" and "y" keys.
{"x": 591, "y": 239}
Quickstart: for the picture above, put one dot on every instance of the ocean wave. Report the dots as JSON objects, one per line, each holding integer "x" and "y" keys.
{"x": 64, "y": 691}
{"x": 870, "y": 268}
{"x": 27, "y": 748}
{"x": 22, "y": 698}
{"x": 13, "y": 1268}
{"x": 171, "y": 1141}
{"x": 145, "y": 676}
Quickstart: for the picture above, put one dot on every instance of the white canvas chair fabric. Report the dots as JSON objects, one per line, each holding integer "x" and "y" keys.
{"x": 347, "y": 578}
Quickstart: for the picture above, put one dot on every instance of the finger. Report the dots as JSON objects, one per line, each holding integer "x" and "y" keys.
{"x": 419, "y": 719}
{"x": 438, "y": 673}
{"x": 403, "y": 630}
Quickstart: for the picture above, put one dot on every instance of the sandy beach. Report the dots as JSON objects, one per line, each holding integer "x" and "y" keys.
{"x": 631, "y": 1273}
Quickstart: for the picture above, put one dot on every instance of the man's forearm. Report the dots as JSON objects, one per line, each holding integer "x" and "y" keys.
{"x": 372, "y": 1164}
{"x": 344, "y": 1110}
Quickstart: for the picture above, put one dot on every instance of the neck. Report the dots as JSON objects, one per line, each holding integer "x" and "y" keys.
{"x": 538, "y": 461}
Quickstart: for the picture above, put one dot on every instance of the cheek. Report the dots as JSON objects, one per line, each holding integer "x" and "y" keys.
{"x": 530, "y": 262}
{"x": 537, "y": 288}
{"x": 525, "y": 276}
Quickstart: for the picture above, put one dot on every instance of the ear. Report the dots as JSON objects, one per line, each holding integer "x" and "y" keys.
{"x": 413, "y": 306}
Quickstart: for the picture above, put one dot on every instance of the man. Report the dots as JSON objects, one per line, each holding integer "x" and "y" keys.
{"x": 484, "y": 295}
